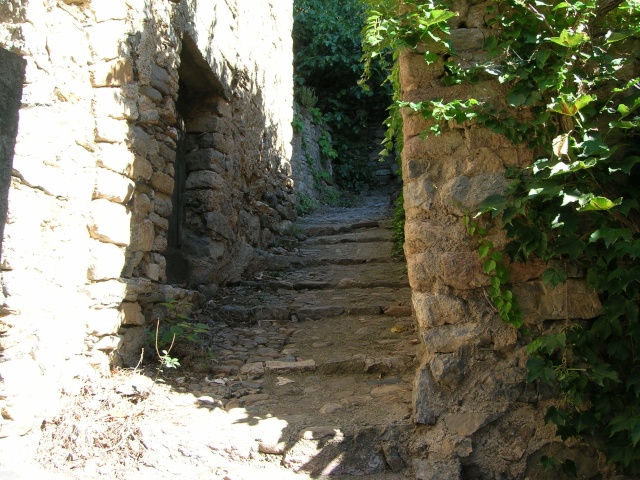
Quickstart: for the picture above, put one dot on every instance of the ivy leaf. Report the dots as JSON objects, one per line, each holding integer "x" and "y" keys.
{"x": 620, "y": 423}
{"x": 631, "y": 309}
{"x": 548, "y": 344}
{"x": 430, "y": 57}
{"x": 613, "y": 37}
{"x": 633, "y": 383}
{"x": 625, "y": 124}
{"x": 537, "y": 368}
{"x": 571, "y": 197}
{"x": 599, "y": 203}
{"x": 570, "y": 246}
{"x": 548, "y": 463}
{"x": 493, "y": 203}
{"x": 561, "y": 145}
{"x": 623, "y": 110}
{"x": 602, "y": 371}
{"x": 611, "y": 235}
{"x": 558, "y": 417}
{"x": 437, "y": 16}
{"x": 594, "y": 146}
{"x": 635, "y": 433}
{"x": 489, "y": 266}
{"x": 568, "y": 105}
{"x": 569, "y": 39}
{"x": 631, "y": 83}
{"x": 541, "y": 58}
{"x": 490, "y": 43}
{"x": 554, "y": 276}
{"x": 517, "y": 99}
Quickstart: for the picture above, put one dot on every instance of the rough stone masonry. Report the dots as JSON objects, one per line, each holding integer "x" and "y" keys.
{"x": 151, "y": 162}
{"x": 476, "y": 415}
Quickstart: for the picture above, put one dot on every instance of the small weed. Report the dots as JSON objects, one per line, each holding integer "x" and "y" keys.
{"x": 176, "y": 328}
{"x": 166, "y": 360}
{"x": 307, "y": 97}
{"x": 297, "y": 123}
{"x": 306, "y": 205}
{"x": 398, "y": 226}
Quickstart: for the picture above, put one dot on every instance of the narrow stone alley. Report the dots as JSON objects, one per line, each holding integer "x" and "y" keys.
{"x": 310, "y": 373}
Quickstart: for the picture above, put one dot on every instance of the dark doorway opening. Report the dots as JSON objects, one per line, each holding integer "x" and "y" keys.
{"x": 196, "y": 81}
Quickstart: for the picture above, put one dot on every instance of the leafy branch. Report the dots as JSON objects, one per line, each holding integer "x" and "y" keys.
{"x": 574, "y": 99}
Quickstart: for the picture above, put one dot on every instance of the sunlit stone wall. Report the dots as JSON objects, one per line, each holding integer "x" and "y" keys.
{"x": 85, "y": 242}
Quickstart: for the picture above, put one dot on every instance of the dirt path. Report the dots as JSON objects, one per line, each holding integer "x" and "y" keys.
{"x": 310, "y": 374}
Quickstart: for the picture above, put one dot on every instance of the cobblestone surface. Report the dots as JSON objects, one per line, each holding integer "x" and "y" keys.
{"x": 308, "y": 373}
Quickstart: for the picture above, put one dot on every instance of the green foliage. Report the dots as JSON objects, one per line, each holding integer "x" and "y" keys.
{"x": 167, "y": 361}
{"x": 388, "y": 29}
{"x": 165, "y": 358}
{"x": 494, "y": 265}
{"x": 327, "y": 51}
{"x": 329, "y": 194}
{"x": 297, "y": 123}
{"x": 306, "y": 204}
{"x": 326, "y": 146}
{"x": 442, "y": 112}
{"x": 398, "y": 226}
{"x": 326, "y": 43}
{"x": 307, "y": 97}
{"x": 176, "y": 327}
{"x": 577, "y": 206}
{"x": 574, "y": 98}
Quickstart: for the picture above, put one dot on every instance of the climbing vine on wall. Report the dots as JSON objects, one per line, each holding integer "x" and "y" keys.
{"x": 572, "y": 72}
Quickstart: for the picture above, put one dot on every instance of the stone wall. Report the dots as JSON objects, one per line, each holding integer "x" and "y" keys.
{"x": 151, "y": 161}
{"x": 477, "y": 418}
{"x": 307, "y": 159}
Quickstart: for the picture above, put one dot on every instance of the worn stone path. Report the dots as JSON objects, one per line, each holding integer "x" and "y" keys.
{"x": 311, "y": 369}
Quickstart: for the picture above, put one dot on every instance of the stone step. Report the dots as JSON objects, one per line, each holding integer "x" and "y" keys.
{"x": 333, "y": 450}
{"x": 244, "y": 314}
{"x": 323, "y": 230}
{"x": 315, "y": 356}
{"x": 248, "y": 305}
{"x": 358, "y": 363}
{"x": 339, "y": 253}
{"x": 361, "y": 363}
{"x": 367, "y": 348}
{"x": 350, "y": 253}
{"x": 324, "y": 284}
{"x": 356, "y": 344}
{"x": 354, "y": 298}
{"x": 363, "y": 236}
{"x": 368, "y": 275}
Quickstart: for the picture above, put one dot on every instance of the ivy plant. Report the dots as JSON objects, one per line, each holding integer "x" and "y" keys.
{"x": 571, "y": 69}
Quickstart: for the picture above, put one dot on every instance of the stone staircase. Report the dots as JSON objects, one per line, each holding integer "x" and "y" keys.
{"x": 313, "y": 366}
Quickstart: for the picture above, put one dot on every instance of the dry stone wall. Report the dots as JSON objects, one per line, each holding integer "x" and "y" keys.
{"x": 153, "y": 135}
{"x": 476, "y": 415}
{"x": 307, "y": 158}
